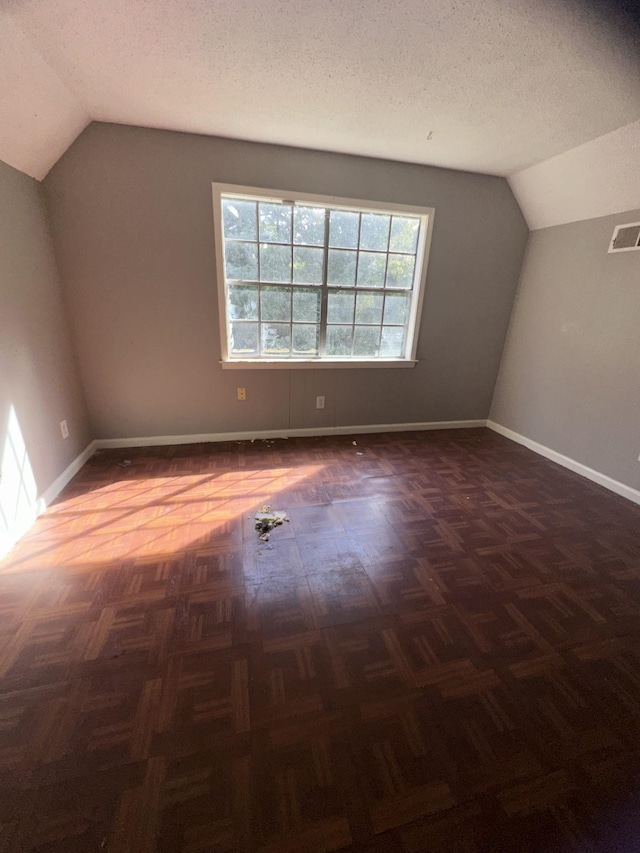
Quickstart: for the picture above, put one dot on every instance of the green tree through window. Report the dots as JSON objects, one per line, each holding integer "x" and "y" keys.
{"x": 308, "y": 280}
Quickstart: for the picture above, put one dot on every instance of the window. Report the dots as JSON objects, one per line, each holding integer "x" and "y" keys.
{"x": 315, "y": 281}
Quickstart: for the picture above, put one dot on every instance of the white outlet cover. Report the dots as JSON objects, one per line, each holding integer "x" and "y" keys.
{"x": 319, "y": 402}
{"x": 64, "y": 429}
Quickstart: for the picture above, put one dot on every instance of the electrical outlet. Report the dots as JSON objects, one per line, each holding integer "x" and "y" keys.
{"x": 319, "y": 402}
{"x": 242, "y": 393}
{"x": 64, "y": 429}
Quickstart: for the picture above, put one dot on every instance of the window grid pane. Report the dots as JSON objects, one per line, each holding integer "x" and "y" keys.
{"x": 361, "y": 263}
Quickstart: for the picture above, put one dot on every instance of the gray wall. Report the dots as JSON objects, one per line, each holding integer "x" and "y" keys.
{"x": 38, "y": 376}
{"x": 131, "y": 212}
{"x": 570, "y": 374}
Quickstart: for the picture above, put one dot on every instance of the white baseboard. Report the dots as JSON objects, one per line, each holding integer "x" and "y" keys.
{"x": 8, "y": 538}
{"x": 566, "y": 462}
{"x": 202, "y": 438}
{"x": 70, "y": 471}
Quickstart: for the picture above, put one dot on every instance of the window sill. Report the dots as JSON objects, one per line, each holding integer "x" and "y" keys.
{"x": 314, "y": 364}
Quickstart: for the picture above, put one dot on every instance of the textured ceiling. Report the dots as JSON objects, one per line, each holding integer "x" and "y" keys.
{"x": 484, "y": 85}
{"x": 39, "y": 116}
{"x": 595, "y": 179}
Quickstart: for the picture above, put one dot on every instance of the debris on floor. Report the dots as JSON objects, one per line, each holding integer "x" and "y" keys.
{"x": 359, "y": 453}
{"x": 125, "y": 463}
{"x": 267, "y": 519}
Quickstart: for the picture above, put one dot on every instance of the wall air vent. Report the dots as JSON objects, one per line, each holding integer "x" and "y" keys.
{"x": 626, "y": 238}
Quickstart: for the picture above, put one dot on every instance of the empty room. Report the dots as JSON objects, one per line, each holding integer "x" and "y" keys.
{"x": 319, "y": 426}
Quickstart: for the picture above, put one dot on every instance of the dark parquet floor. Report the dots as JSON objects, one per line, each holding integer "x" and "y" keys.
{"x": 440, "y": 652}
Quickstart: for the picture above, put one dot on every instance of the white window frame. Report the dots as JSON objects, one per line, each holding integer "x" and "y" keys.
{"x": 426, "y": 215}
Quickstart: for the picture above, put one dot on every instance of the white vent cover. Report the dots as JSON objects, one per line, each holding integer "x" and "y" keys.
{"x": 626, "y": 238}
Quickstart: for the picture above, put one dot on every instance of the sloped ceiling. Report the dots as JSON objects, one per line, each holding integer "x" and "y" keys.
{"x": 39, "y": 115}
{"x": 595, "y": 179}
{"x": 482, "y": 85}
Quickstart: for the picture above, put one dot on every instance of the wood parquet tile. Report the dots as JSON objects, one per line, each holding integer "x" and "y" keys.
{"x": 440, "y": 651}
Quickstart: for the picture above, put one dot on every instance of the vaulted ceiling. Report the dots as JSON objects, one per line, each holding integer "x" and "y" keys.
{"x": 482, "y": 85}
